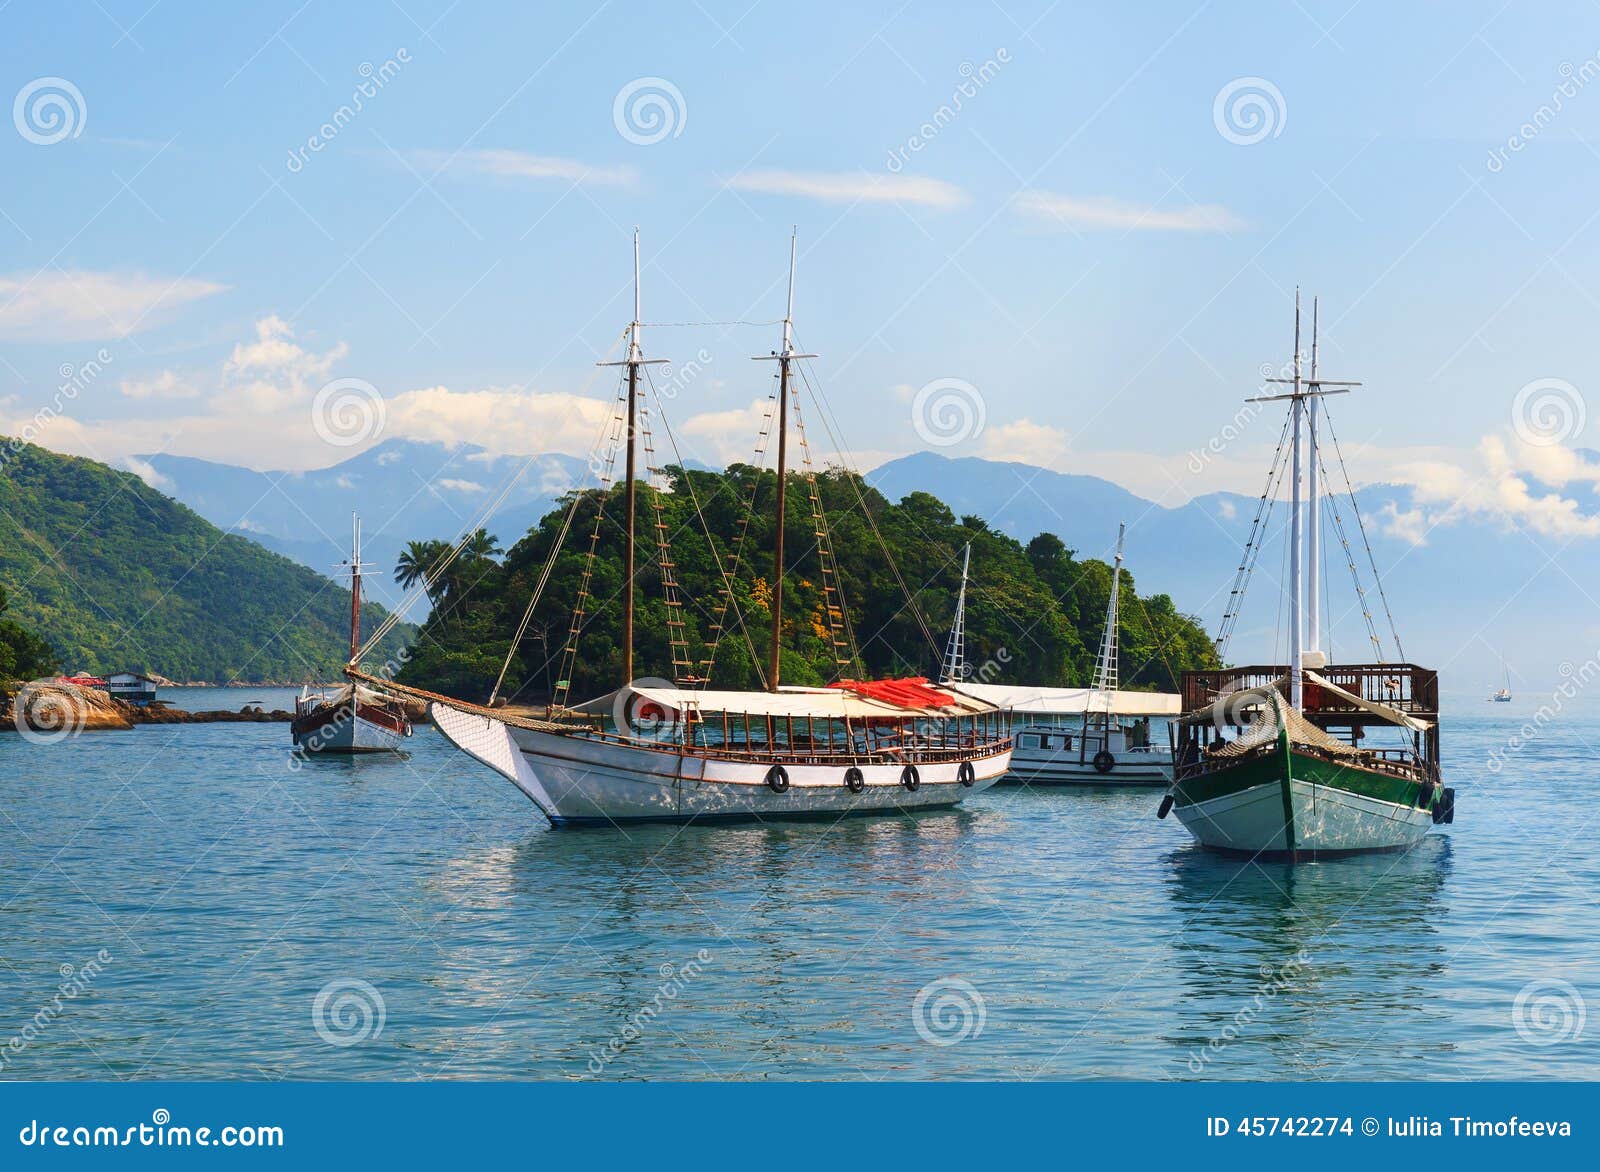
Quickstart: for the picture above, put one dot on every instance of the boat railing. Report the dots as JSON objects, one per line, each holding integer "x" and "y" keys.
{"x": 914, "y": 751}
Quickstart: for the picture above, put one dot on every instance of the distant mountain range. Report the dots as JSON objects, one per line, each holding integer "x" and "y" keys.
{"x": 403, "y": 490}
{"x": 1474, "y": 592}
{"x": 116, "y": 576}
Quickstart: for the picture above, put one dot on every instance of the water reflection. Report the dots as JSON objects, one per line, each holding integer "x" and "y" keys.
{"x": 1305, "y": 964}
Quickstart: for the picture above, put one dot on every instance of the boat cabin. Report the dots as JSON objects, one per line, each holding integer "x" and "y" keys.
{"x": 1379, "y": 716}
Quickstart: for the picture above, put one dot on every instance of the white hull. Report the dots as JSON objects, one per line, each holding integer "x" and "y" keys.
{"x": 576, "y": 781}
{"x": 1052, "y": 754}
{"x": 1326, "y": 821}
{"x": 341, "y": 731}
{"x": 1136, "y": 768}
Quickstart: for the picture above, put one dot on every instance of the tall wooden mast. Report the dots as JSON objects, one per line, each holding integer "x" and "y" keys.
{"x": 783, "y": 358}
{"x": 633, "y": 362}
{"x": 355, "y": 566}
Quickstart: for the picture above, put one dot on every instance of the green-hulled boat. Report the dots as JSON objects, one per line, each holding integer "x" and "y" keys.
{"x": 1307, "y": 760}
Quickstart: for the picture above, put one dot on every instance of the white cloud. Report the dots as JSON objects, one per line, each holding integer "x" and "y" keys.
{"x": 166, "y": 385}
{"x": 79, "y": 306}
{"x": 1505, "y": 483}
{"x": 1025, "y": 442}
{"x": 504, "y": 164}
{"x": 1095, "y": 212}
{"x": 146, "y": 472}
{"x": 460, "y": 485}
{"x": 273, "y": 371}
{"x": 851, "y": 186}
{"x": 504, "y": 420}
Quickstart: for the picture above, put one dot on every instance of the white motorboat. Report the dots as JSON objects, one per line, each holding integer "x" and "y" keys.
{"x": 1099, "y": 736}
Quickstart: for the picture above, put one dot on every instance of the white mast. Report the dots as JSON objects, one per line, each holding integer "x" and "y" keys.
{"x": 1302, "y": 393}
{"x": 955, "y": 662}
{"x": 1296, "y": 587}
{"x": 1105, "y": 668}
{"x": 1314, "y": 501}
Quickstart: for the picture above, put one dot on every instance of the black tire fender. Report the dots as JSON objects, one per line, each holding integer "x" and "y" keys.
{"x": 1165, "y": 807}
{"x": 1104, "y": 762}
{"x": 966, "y": 774}
{"x": 778, "y": 779}
{"x": 853, "y": 780}
{"x": 910, "y": 778}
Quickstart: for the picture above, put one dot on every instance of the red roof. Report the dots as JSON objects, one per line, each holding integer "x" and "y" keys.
{"x": 914, "y": 692}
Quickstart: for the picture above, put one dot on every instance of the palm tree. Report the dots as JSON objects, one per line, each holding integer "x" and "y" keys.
{"x": 420, "y": 560}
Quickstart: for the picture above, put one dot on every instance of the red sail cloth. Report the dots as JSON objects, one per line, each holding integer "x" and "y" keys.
{"x": 914, "y": 692}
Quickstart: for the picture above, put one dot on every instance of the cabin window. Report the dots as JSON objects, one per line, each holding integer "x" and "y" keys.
{"x": 1028, "y": 741}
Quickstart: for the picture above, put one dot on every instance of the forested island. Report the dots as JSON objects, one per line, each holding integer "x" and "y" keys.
{"x": 1035, "y": 611}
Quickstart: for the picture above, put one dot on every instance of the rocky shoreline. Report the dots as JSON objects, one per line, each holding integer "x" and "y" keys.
{"x": 57, "y": 709}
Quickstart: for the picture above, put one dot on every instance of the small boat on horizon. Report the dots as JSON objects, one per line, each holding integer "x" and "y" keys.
{"x": 351, "y": 717}
{"x": 1094, "y": 736}
{"x": 1277, "y": 762}
{"x": 1503, "y": 696}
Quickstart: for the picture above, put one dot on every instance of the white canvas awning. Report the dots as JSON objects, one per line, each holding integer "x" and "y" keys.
{"x": 1031, "y": 701}
{"x": 1393, "y": 715}
{"x": 818, "y": 703}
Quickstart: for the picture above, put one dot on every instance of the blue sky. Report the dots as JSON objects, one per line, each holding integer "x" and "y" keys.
{"x": 1087, "y": 243}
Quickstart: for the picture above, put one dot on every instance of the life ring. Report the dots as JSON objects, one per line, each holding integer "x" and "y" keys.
{"x": 1104, "y": 762}
{"x": 966, "y": 774}
{"x": 1165, "y": 808}
{"x": 910, "y": 778}
{"x": 778, "y": 779}
{"x": 853, "y": 781}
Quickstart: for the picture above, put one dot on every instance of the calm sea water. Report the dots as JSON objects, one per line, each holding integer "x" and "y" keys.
{"x": 227, "y": 917}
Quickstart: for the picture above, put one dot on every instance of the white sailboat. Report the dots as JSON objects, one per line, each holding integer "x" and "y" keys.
{"x": 1503, "y": 696}
{"x": 651, "y": 751}
{"x": 352, "y": 718}
{"x": 1099, "y": 736}
{"x": 1274, "y": 761}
